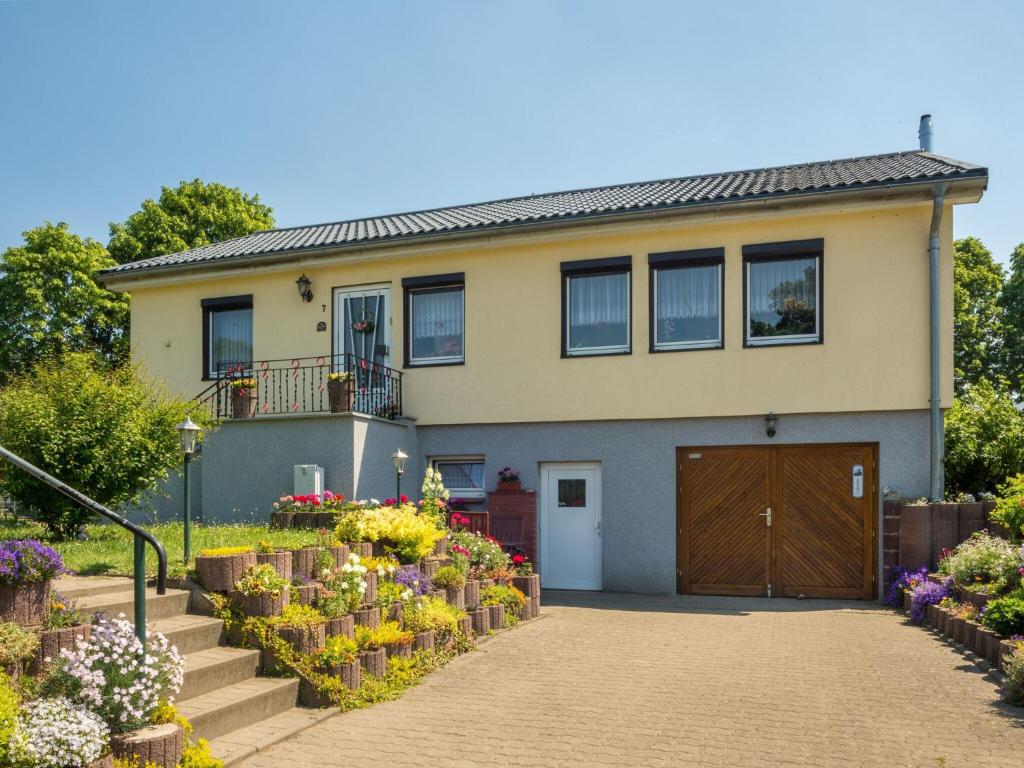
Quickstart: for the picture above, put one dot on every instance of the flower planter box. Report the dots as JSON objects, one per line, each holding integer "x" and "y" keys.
{"x": 303, "y": 562}
{"x": 244, "y": 403}
{"x": 472, "y": 594}
{"x": 341, "y": 395}
{"x": 53, "y": 641}
{"x": 107, "y": 761}
{"x": 423, "y": 641}
{"x": 441, "y": 548}
{"x": 510, "y": 485}
{"x": 279, "y": 561}
{"x": 497, "y": 618}
{"x": 374, "y": 661}
{"x": 530, "y": 585}
{"x": 396, "y": 611}
{"x": 527, "y": 612}
{"x": 350, "y": 678}
{"x": 306, "y": 594}
{"x": 340, "y": 554}
{"x": 264, "y": 605}
{"x": 361, "y": 548}
{"x": 25, "y": 604}
{"x": 481, "y": 621}
{"x": 466, "y": 625}
{"x": 401, "y": 650}
{"x": 281, "y": 520}
{"x": 343, "y": 626}
{"x": 305, "y": 521}
{"x": 161, "y": 745}
{"x": 367, "y": 617}
{"x": 456, "y": 596}
{"x": 220, "y": 573}
{"x": 370, "y": 595}
{"x": 303, "y": 640}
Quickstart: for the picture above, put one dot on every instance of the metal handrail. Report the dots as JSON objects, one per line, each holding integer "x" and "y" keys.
{"x": 141, "y": 537}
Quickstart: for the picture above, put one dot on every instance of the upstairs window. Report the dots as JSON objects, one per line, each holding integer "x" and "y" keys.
{"x": 596, "y": 307}
{"x": 686, "y": 299}
{"x": 227, "y": 334}
{"x": 782, "y": 283}
{"x": 435, "y": 320}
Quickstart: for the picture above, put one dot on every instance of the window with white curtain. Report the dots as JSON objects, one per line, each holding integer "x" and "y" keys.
{"x": 597, "y": 308}
{"x": 435, "y": 310}
{"x": 227, "y": 334}
{"x": 783, "y": 297}
{"x": 686, "y": 300}
{"x": 463, "y": 477}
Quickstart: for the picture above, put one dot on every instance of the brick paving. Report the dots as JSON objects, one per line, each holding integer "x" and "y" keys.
{"x": 616, "y": 680}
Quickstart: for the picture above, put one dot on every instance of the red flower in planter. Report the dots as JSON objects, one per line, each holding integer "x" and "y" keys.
{"x": 518, "y": 559}
{"x": 403, "y": 499}
{"x": 389, "y": 502}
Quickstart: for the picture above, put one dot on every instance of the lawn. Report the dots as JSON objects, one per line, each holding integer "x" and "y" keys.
{"x": 108, "y": 550}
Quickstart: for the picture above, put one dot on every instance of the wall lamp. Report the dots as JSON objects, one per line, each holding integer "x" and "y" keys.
{"x": 770, "y": 421}
{"x": 304, "y": 284}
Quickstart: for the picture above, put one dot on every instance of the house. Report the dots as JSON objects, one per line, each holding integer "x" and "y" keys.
{"x": 707, "y": 381}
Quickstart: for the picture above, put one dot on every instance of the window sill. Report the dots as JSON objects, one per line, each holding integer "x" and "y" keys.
{"x": 410, "y": 364}
{"x": 573, "y": 355}
{"x": 704, "y": 348}
{"x": 747, "y": 344}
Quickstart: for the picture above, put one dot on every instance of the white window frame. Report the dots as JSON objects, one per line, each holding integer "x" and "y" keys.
{"x": 469, "y": 494}
{"x": 667, "y": 346}
{"x": 617, "y": 349}
{"x": 450, "y": 359}
{"x": 800, "y": 338}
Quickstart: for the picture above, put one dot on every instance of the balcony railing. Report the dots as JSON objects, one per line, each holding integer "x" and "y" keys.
{"x": 304, "y": 385}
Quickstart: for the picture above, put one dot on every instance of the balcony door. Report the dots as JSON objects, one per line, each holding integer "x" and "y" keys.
{"x": 362, "y": 323}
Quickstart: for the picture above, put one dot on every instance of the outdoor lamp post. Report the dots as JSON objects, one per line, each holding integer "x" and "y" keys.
{"x": 399, "y": 458}
{"x": 188, "y": 431}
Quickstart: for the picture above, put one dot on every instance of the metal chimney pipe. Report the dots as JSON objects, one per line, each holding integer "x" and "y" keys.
{"x": 924, "y": 133}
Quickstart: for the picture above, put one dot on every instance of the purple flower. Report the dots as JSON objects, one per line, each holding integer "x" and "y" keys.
{"x": 925, "y": 594}
{"x": 23, "y": 561}
{"x": 414, "y": 580}
{"x": 904, "y": 578}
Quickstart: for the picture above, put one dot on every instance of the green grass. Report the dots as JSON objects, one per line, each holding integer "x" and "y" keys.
{"x": 109, "y": 549}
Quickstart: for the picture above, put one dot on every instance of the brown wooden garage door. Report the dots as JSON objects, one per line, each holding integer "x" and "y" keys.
{"x": 817, "y": 541}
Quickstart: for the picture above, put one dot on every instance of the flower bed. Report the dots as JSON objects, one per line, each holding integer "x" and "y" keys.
{"x": 26, "y": 569}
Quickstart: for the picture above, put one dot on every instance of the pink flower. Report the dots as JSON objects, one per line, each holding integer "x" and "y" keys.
{"x": 404, "y": 499}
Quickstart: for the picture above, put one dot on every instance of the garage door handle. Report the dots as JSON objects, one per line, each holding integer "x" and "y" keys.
{"x": 767, "y": 514}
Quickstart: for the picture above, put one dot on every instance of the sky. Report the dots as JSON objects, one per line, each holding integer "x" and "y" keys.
{"x": 336, "y": 110}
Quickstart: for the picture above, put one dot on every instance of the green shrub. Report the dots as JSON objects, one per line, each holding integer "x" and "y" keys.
{"x": 337, "y": 650}
{"x": 16, "y": 644}
{"x": 500, "y": 594}
{"x": 261, "y": 579}
{"x": 449, "y": 577}
{"x": 984, "y": 439}
{"x": 428, "y": 613}
{"x": 8, "y": 715}
{"x": 1005, "y": 615}
{"x": 388, "y": 633}
{"x": 984, "y": 559}
{"x": 110, "y": 433}
{"x": 295, "y": 615}
{"x": 1009, "y": 509}
{"x": 1013, "y": 690}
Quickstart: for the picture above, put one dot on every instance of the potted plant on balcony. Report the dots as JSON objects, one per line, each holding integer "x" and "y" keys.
{"x": 244, "y": 397}
{"x": 26, "y": 569}
{"x": 341, "y": 392}
{"x": 508, "y": 479}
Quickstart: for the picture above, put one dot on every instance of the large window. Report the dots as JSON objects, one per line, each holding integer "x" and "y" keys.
{"x": 227, "y": 334}
{"x": 435, "y": 320}
{"x": 596, "y": 307}
{"x": 686, "y": 299}
{"x": 463, "y": 477}
{"x": 783, "y": 292}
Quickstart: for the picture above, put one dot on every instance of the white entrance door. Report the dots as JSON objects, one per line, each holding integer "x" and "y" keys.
{"x": 362, "y": 340}
{"x": 571, "y": 526}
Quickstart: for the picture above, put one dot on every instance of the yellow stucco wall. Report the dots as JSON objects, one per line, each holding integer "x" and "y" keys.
{"x": 875, "y": 297}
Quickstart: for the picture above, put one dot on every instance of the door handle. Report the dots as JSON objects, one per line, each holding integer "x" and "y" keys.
{"x": 597, "y": 527}
{"x": 767, "y": 514}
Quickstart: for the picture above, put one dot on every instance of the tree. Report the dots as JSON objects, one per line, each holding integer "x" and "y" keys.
{"x": 109, "y": 432}
{"x": 51, "y": 304}
{"x": 977, "y": 314}
{"x": 1012, "y": 303}
{"x": 192, "y": 214}
{"x": 984, "y": 439}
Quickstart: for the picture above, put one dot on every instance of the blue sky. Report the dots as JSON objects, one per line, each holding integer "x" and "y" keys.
{"x": 334, "y": 110}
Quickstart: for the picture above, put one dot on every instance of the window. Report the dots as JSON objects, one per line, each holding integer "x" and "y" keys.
{"x": 435, "y": 320}
{"x": 463, "y": 477}
{"x": 596, "y": 307}
{"x": 227, "y": 334}
{"x": 686, "y": 299}
{"x": 782, "y": 283}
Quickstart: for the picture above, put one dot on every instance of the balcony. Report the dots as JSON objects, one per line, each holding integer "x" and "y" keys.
{"x": 302, "y": 385}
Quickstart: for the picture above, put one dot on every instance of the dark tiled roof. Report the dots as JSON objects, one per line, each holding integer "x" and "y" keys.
{"x": 829, "y": 176}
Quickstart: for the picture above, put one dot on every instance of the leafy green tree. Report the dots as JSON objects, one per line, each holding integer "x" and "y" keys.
{"x": 50, "y": 302}
{"x": 984, "y": 439}
{"x": 1012, "y": 302}
{"x": 977, "y": 314}
{"x": 190, "y": 215}
{"x": 109, "y": 432}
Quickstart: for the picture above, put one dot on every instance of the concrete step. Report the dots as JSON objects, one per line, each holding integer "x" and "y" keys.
{"x": 113, "y": 604}
{"x": 189, "y": 633}
{"x": 236, "y": 746}
{"x": 238, "y": 706}
{"x": 81, "y": 586}
{"x": 215, "y": 668}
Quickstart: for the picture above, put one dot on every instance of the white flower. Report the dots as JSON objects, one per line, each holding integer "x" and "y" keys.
{"x": 56, "y": 733}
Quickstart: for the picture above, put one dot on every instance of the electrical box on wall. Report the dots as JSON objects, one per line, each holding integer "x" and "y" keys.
{"x": 309, "y": 478}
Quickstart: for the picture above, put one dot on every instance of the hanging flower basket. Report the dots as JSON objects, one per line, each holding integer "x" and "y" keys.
{"x": 363, "y": 322}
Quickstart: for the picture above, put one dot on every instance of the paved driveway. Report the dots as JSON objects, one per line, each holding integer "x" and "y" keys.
{"x": 674, "y": 681}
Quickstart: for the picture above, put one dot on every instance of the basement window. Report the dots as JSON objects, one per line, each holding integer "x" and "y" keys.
{"x": 463, "y": 477}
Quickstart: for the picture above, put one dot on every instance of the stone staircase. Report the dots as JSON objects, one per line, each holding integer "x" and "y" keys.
{"x": 222, "y": 695}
